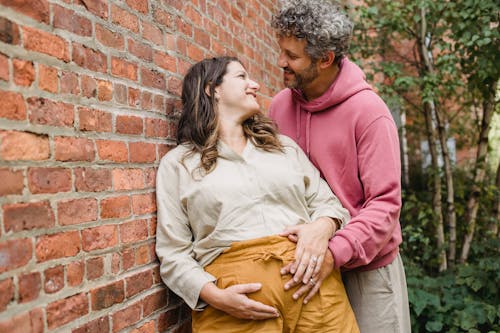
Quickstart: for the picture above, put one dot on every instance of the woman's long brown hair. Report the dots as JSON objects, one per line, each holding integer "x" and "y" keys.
{"x": 198, "y": 124}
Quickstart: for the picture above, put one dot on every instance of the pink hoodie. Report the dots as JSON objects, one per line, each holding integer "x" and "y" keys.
{"x": 350, "y": 136}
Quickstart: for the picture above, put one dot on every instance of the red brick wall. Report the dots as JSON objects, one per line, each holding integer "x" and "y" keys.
{"x": 89, "y": 97}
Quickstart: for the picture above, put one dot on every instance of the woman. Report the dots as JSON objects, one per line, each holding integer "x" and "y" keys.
{"x": 223, "y": 194}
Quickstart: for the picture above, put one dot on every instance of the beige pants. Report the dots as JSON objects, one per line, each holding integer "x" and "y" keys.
{"x": 260, "y": 260}
{"x": 379, "y": 298}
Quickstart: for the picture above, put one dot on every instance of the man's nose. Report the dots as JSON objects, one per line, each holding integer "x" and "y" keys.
{"x": 282, "y": 61}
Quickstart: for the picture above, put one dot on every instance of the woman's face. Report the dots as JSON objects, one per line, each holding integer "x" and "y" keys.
{"x": 236, "y": 96}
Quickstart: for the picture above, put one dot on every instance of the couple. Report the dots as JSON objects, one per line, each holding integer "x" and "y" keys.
{"x": 233, "y": 188}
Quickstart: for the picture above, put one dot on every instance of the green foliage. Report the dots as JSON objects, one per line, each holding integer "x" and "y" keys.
{"x": 461, "y": 300}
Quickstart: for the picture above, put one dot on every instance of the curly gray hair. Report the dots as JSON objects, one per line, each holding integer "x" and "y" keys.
{"x": 323, "y": 23}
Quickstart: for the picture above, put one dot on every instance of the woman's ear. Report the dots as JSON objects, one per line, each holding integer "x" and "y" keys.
{"x": 207, "y": 89}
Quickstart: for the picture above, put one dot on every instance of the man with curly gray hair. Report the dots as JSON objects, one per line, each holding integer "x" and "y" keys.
{"x": 348, "y": 133}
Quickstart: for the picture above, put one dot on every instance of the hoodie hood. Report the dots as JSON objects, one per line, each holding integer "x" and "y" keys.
{"x": 350, "y": 80}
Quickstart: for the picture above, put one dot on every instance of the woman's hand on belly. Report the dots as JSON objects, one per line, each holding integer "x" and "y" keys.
{"x": 234, "y": 301}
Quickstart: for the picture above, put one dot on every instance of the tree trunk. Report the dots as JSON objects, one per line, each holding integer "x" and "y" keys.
{"x": 479, "y": 173}
{"x": 429, "y": 112}
{"x": 451, "y": 216}
{"x": 496, "y": 208}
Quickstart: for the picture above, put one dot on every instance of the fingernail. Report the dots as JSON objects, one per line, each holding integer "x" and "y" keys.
{"x": 295, "y": 296}
{"x": 305, "y": 301}
{"x": 287, "y": 287}
{"x": 282, "y": 271}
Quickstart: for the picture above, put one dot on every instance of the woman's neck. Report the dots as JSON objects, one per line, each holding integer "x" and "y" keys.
{"x": 232, "y": 134}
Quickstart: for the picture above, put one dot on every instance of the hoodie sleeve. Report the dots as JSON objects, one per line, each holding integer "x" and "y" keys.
{"x": 368, "y": 233}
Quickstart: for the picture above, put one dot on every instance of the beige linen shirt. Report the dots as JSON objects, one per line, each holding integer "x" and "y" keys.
{"x": 246, "y": 196}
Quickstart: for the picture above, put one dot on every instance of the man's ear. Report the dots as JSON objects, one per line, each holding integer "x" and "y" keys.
{"x": 327, "y": 59}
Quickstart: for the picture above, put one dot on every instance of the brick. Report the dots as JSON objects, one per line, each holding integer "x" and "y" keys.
{"x": 195, "y": 52}
{"x": 143, "y": 255}
{"x": 28, "y": 322}
{"x": 202, "y": 38}
{"x": 15, "y": 253}
{"x": 92, "y": 180}
{"x": 123, "y": 69}
{"x": 28, "y": 216}
{"x": 174, "y": 86}
{"x": 148, "y": 327}
{"x": 47, "y": 112}
{"x": 74, "y": 149}
{"x": 139, "y": 5}
{"x": 12, "y": 181}
{"x": 165, "y": 61}
{"x": 162, "y": 150}
{"x": 24, "y": 72}
{"x": 156, "y": 128}
{"x": 142, "y": 152}
{"x": 134, "y": 97}
{"x": 88, "y": 58}
{"x": 9, "y": 31}
{"x": 115, "y": 263}
{"x": 77, "y": 211}
{"x": 152, "y": 33}
{"x": 74, "y": 273}
{"x": 128, "y": 258}
{"x": 138, "y": 283}
{"x": 104, "y": 90}
{"x": 168, "y": 319}
{"x": 124, "y": 18}
{"x": 129, "y": 125}
{"x": 97, "y": 7}
{"x": 159, "y": 103}
{"x": 36, "y": 9}
{"x": 94, "y": 120}
{"x": 184, "y": 27}
{"x": 146, "y": 100}
{"x": 95, "y": 268}
{"x": 120, "y": 92}
{"x": 128, "y": 179}
{"x": 30, "y": 285}
{"x": 6, "y": 293}
{"x": 99, "y": 325}
{"x": 140, "y": 50}
{"x": 126, "y": 317}
{"x": 44, "y": 42}
{"x": 25, "y": 146}
{"x": 116, "y": 207}
{"x": 49, "y": 180}
{"x": 109, "y": 150}
{"x": 153, "y": 79}
{"x": 144, "y": 203}
{"x": 4, "y": 68}
{"x": 89, "y": 86}
{"x": 54, "y": 279}
{"x": 109, "y": 38}
{"x": 163, "y": 18}
{"x": 69, "y": 83}
{"x": 60, "y": 245}
{"x": 134, "y": 231}
{"x": 154, "y": 302}
{"x": 99, "y": 237}
{"x": 152, "y": 226}
{"x": 47, "y": 78}
{"x": 107, "y": 295}
{"x": 65, "y": 310}
{"x": 68, "y": 20}
{"x": 13, "y": 106}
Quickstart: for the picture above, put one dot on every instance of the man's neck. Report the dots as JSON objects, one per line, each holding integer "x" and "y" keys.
{"x": 321, "y": 84}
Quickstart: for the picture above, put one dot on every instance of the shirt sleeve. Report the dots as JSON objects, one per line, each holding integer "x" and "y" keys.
{"x": 321, "y": 201}
{"x": 178, "y": 269}
{"x": 380, "y": 172}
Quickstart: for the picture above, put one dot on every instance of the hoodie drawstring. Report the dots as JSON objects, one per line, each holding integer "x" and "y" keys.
{"x": 308, "y": 141}
{"x": 308, "y": 128}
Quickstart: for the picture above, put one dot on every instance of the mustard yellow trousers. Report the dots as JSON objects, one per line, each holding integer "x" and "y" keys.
{"x": 260, "y": 260}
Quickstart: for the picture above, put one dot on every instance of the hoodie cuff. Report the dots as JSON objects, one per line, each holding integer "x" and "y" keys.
{"x": 341, "y": 250}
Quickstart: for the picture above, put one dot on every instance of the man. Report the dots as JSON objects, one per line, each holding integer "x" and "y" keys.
{"x": 347, "y": 131}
